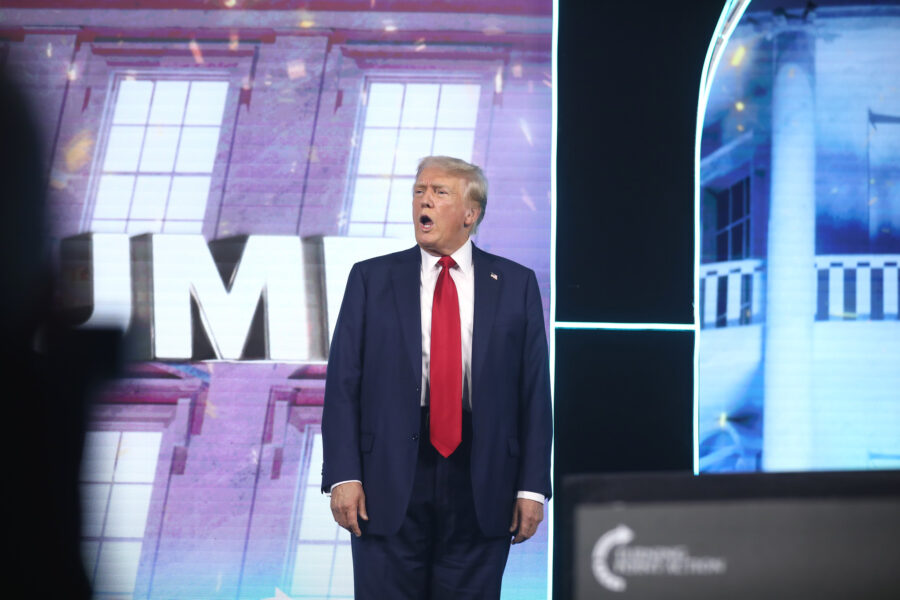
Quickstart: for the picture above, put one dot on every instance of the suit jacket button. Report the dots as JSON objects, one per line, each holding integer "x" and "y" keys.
{"x": 415, "y": 437}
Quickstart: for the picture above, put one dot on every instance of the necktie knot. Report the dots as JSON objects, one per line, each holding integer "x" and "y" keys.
{"x": 447, "y": 262}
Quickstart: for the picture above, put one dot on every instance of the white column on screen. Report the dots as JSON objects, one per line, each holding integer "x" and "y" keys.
{"x": 756, "y": 305}
{"x": 890, "y": 292}
{"x": 733, "y": 299}
{"x": 712, "y": 293}
{"x": 863, "y": 292}
{"x": 790, "y": 297}
{"x": 836, "y": 292}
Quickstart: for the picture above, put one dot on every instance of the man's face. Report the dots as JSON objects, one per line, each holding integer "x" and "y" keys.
{"x": 442, "y": 216}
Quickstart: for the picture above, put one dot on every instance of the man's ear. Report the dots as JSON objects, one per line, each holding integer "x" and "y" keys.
{"x": 472, "y": 214}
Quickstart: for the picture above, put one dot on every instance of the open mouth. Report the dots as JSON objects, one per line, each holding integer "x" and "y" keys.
{"x": 426, "y": 223}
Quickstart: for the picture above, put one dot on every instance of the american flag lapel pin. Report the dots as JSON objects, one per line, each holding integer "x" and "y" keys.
{"x": 494, "y": 276}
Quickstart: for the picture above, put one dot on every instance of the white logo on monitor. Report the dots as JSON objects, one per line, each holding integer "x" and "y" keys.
{"x": 613, "y": 558}
{"x": 599, "y": 557}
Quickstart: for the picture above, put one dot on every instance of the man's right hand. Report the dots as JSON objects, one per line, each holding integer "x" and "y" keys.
{"x": 347, "y": 502}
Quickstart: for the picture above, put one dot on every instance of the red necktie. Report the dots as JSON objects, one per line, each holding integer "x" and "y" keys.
{"x": 446, "y": 364}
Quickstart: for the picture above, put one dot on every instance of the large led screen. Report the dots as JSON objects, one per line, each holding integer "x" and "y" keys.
{"x": 799, "y": 240}
{"x": 215, "y": 170}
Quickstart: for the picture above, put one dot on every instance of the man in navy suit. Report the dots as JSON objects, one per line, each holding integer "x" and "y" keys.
{"x": 437, "y": 423}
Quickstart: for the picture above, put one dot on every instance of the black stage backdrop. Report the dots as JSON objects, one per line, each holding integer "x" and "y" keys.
{"x": 629, "y": 80}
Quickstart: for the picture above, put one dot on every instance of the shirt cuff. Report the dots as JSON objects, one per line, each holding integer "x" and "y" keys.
{"x": 341, "y": 483}
{"x": 527, "y": 495}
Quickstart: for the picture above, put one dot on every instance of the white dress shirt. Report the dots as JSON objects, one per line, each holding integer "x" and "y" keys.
{"x": 463, "y": 275}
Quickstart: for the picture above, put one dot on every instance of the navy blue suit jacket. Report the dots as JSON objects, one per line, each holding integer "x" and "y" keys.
{"x": 370, "y": 423}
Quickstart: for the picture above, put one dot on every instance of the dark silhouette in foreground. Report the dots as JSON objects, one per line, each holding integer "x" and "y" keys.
{"x": 49, "y": 372}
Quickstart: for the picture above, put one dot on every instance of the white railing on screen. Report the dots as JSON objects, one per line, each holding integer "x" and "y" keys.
{"x": 732, "y": 308}
{"x": 848, "y": 287}
{"x": 857, "y": 286}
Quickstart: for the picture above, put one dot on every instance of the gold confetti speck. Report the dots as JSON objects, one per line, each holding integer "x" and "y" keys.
{"x": 210, "y": 410}
{"x": 195, "y": 51}
{"x": 526, "y": 199}
{"x": 78, "y": 150}
{"x": 526, "y": 131}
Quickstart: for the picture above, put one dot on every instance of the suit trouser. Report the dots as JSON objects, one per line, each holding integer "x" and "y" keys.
{"x": 439, "y": 551}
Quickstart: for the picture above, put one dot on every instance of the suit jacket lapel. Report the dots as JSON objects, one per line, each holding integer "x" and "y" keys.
{"x": 487, "y": 294}
{"x": 406, "y": 276}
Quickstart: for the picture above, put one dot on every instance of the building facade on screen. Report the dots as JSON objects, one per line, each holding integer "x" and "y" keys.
{"x": 214, "y": 175}
{"x": 800, "y": 244}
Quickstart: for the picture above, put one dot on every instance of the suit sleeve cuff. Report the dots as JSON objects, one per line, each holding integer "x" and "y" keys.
{"x": 341, "y": 483}
{"x": 527, "y": 495}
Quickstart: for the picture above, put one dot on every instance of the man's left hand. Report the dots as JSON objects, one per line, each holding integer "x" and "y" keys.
{"x": 527, "y": 515}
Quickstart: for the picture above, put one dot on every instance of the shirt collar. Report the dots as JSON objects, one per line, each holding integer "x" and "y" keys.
{"x": 462, "y": 257}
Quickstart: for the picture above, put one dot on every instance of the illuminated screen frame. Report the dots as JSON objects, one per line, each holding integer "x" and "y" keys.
{"x": 728, "y": 21}
{"x": 111, "y": 308}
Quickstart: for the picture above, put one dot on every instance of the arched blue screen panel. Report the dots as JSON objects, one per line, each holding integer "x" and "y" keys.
{"x": 798, "y": 242}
